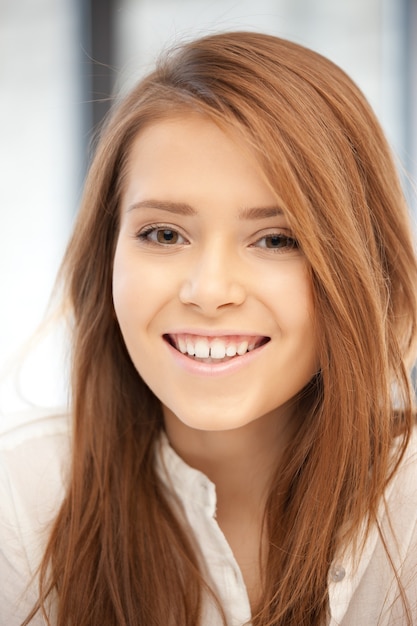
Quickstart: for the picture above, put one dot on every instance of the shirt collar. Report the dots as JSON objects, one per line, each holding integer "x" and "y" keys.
{"x": 191, "y": 487}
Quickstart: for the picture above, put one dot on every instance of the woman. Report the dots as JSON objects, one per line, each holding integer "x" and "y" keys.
{"x": 241, "y": 284}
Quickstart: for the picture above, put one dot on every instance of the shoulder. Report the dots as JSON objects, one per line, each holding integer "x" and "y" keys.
{"x": 34, "y": 463}
{"x": 34, "y": 466}
{"x": 34, "y": 460}
{"x": 34, "y": 446}
{"x": 396, "y": 544}
{"x": 31, "y": 423}
{"x": 401, "y": 494}
{"x": 369, "y": 590}
{"x": 399, "y": 519}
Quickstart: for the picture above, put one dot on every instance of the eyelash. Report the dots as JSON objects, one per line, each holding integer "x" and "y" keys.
{"x": 289, "y": 242}
{"x": 144, "y": 236}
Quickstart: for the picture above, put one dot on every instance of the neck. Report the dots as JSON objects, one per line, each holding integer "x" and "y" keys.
{"x": 240, "y": 462}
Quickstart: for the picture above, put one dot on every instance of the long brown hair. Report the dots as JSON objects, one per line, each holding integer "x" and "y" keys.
{"x": 117, "y": 553}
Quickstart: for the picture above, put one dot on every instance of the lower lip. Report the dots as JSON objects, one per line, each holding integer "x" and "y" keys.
{"x": 198, "y": 368}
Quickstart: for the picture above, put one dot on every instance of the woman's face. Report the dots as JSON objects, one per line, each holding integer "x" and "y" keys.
{"x": 210, "y": 289}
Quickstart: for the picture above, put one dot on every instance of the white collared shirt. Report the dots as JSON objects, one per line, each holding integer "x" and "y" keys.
{"x": 33, "y": 473}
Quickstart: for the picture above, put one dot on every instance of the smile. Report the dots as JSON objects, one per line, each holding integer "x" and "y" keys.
{"x": 215, "y": 349}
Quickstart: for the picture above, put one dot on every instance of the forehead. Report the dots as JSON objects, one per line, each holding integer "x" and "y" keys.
{"x": 188, "y": 130}
{"x": 192, "y": 155}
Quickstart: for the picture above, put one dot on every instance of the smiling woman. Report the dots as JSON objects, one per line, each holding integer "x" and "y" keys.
{"x": 242, "y": 290}
{"x": 221, "y": 276}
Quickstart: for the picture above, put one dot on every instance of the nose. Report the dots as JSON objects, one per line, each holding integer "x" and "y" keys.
{"x": 213, "y": 281}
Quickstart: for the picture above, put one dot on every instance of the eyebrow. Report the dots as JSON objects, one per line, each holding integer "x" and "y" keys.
{"x": 257, "y": 213}
{"x": 182, "y": 208}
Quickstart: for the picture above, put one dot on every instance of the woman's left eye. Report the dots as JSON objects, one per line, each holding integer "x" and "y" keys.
{"x": 277, "y": 241}
{"x": 161, "y": 235}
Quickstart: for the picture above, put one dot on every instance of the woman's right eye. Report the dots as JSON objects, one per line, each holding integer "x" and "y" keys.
{"x": 163, "y": 235}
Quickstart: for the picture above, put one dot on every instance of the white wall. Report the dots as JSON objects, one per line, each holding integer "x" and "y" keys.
{"x": 39, "y": 164}
{"x": 363, "y": 37}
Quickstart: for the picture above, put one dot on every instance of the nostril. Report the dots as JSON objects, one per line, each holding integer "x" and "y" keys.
{"x": 212, "y": 292}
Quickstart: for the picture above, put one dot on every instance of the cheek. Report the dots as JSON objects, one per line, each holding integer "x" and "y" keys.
{"x": 122, "y": 286}
{"x": 292, "y": 301}
{"x": 298, "y": 326}
{"x": 140, "y": 288}
{"x": 129, "y": 287}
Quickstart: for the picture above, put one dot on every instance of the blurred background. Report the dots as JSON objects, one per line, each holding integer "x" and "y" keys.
{"x": 61, "y": 64}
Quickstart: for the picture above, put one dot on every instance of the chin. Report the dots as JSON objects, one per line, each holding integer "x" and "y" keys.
{"x": 208, "y": 422}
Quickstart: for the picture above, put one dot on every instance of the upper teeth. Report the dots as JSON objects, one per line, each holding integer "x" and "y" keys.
{"x": 216, "y": 348}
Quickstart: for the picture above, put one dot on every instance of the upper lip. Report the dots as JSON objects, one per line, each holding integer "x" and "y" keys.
{"x": 211, "y": 334}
